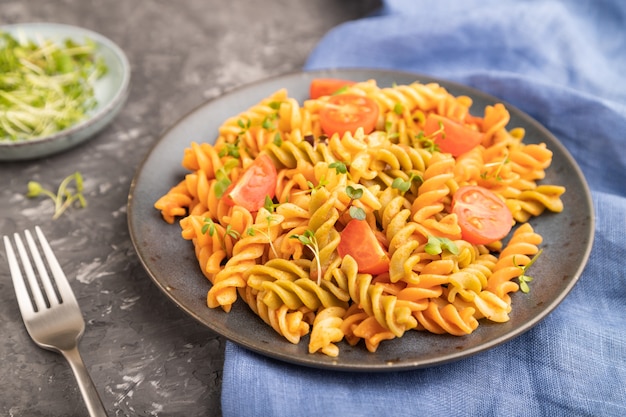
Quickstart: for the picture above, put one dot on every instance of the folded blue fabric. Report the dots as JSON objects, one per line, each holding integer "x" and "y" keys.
{"x": 562, "y": 62}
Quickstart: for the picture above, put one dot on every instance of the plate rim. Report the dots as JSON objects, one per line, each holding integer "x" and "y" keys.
{"x": 333, "y": 363}
{"x": 109, "y": 108}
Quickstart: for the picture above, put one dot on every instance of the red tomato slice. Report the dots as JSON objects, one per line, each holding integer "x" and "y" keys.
{"x": 256, "y": 183}
{"x": 359, "y": 241}
{"x": 347, "y": 112}
{"x": 456, "y": 137}
{"x": 483, "y": 216}
{"x": 327, "y": 86}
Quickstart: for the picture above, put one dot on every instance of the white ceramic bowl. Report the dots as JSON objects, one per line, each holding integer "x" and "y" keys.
{"x": 110, "y": 91}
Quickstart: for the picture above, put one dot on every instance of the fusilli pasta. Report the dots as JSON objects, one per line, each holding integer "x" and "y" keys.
{"x": 284, "y": 260}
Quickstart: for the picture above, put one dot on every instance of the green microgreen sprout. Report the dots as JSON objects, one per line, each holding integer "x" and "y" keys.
{"x": 357, "y": 213}
{"x": 267, "y": 234}
{"x": 210, "y": 227}
{"x": 269, "y": 122}
{"x": 354, "y": 194}
{"x": 308, "y": 239}
{"x": 278, "y": 140}
{"x": 523, "y": 278}
{"x": 436, "y": 245}
{"x": 398, "y": 109}
{"x": 321, "y": 184}
{"x": 65, "y": 195}
{"x": 498, "y": 165}
{"x": 405, "y": 185}
{"x": 222, "y": 177}
{"x": 388, "y": 128}
{"x": 428, "y": 141}
{"x": 244, "y": 125}
{"x": 341, "y": 90}
{"x": 275, "y": 105}
{"x": 230, "y": 149}
{"x": 269, "y": 204}
{"x": 229, "y": 231}
{"x": 339, "y": 167}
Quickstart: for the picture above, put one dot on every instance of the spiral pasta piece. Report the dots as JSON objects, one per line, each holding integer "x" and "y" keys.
{"x": 283, "y": 283}
{"x": 292, "y": 325}
{"x": 431, "y": 200}
{"x": 245, "y": 253}
{"x": 441, "y": 317}
{"x": 523, "y": 244}
{"x": 391, "y": 313}
{"x": 326, "y": 331}
{"x": 175, "y": 203}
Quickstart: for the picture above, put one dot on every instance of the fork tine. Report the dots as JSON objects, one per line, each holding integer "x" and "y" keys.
{"x": 65, "y": 291}
{"x": 53, "y": 264}
{"x": 23, "y": 297}
{"x": 35, "y": 290}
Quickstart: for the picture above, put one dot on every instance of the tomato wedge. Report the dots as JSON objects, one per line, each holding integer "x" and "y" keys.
{"x": 327, "y": 86}
{"x": 483, "y": 216}
{"x": 359, "y": 241}
{"x": 456, "y": 138}
{"x": 256, "y": 183}
{"x": 347, "y": 112}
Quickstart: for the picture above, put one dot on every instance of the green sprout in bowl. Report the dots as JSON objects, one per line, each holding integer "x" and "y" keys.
{"x": 45, "y": 87}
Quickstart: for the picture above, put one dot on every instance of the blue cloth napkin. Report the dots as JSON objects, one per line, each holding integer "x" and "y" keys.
{"x": 564, "y": 63}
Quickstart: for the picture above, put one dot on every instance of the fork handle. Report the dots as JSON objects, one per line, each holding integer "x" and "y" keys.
{"x": 85, "y": 384}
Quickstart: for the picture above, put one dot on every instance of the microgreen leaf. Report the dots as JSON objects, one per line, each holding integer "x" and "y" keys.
{"x": 428, "y": 141}
{"x": 405, "y": 185}
{"x": 308, "y": 239}
{"x": 269, "y": 204}
{"x": 322, "y": 183}
{"x": 357, "y": 213}
{"x": 252, "y": 231}
{"x": 340, "y": 167}
{"x": 354, "y": 193}
{"x": 230, "y": 149}
{"x": 341, "y": 90}
{"x": 229, "y": 231}
{"x": 222, "y": 178}
{"x": 401, "y": 185}
{"x": 523, "y": 278}
{"x": 244, "y": 125}
{"x": 268, "y": 122}
{"x": 437, "y": 245}
{"x": 278, "y": 140}
{"x": 498, "y": 165}
{"x": 275, "y": 105}
{"x": 208, "y": 226}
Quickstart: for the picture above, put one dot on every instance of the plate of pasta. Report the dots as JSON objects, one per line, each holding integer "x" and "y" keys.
{"x": 362, "y": 220}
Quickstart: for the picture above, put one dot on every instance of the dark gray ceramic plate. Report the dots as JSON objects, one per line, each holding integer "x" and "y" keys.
{"x": 171, "y": 263}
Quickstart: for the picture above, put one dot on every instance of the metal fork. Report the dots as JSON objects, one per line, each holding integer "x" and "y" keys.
{"x": 53, "y": 318}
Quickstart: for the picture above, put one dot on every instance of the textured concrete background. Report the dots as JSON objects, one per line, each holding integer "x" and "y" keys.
{"x": 146, "y": 357}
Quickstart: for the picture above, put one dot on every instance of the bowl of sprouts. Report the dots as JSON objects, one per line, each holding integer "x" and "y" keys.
{"x": 59, "y": 86}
